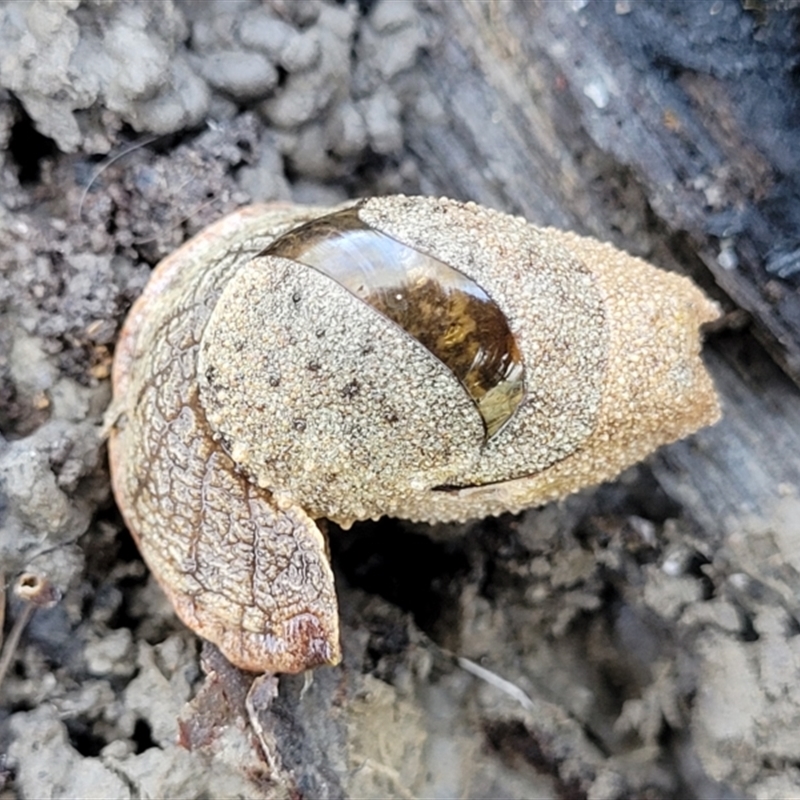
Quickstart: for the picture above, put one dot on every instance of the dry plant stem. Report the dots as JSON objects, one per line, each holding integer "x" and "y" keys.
{"x": 35, "y": 591}
{"x": 13, "y": 639}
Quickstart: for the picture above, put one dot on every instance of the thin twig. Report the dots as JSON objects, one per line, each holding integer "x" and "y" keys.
{"x": 13, "y": 639}
{"x": 35, "y": 591}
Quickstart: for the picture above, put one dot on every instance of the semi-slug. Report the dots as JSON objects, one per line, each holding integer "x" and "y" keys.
{"x": 406, "y": 356}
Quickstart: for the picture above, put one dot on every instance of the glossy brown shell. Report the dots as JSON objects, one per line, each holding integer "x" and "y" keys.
{"x": 443, "y": 309}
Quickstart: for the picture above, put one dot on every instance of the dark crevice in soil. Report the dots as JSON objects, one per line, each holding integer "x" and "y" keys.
{"x": 28, "y": 148}
{"x": 410, "y": 570}
{"x": 83, "y": 739}
{"x": 142, "y": 736}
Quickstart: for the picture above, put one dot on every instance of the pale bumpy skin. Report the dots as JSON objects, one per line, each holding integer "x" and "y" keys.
{"x": 255, "y": 395}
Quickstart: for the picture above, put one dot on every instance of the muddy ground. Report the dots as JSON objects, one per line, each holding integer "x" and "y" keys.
{"x": 634, "y": 640}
